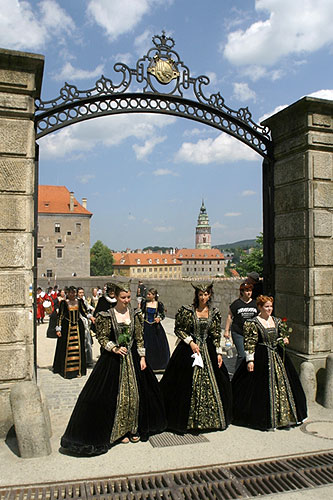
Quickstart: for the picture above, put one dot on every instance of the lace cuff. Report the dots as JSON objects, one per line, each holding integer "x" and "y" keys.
{"x": 141, "y": 352}
{"x": 188, "y": 340}
{"x": 219, "y": 350}
{"x": 249, "y": 356}
{"x": 58, "y": 328}
{"x": 110, "y": 345}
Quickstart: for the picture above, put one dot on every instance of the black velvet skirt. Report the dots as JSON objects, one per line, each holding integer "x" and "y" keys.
{"x": 157, "y": 347}
{"x": 90, "y": 426}
{"x": 251, "y": 392}
{"x": 176, "y": 386}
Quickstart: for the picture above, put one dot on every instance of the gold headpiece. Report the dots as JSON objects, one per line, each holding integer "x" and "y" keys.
{"x": 203, "y": 286}
{"x": 123, "y": 287}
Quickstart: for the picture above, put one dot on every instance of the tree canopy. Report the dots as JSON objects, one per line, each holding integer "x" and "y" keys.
{"x": 254, "y": 261}
{"x": 101, "y": 260}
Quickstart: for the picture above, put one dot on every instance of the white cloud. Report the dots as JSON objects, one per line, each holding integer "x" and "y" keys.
{"x": 193, "y": 132}
{"x": 212, "y": 77}
{"x": 69, "y": 73}
{"x": 323, "y": 94}
{"x": 289, "y": 28}
{"x": 143, "y": 42}
{"x": 232, "y": 214}
{"x": 164, "y": 229}
{"x": 142, "y": 152}
{"x": 106, "y": 131}
{"x": 164, "y": 171}
{"x": 242, "y": 92}
{"x": 222, "y": 149}
{"x": 255, "y": 72}
{"x": 24, "y": 25}
{"x": 248, "y": 192}
{"x": 271, "y": 113}
{"x": 320, "y": 94}
{"x": 85, "y": 178}
{"x": 218, "y": 225}
{"x": 120, "y": 16}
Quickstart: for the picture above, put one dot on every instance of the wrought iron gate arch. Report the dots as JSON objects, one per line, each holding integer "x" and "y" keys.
{"x": 165, "y": 79}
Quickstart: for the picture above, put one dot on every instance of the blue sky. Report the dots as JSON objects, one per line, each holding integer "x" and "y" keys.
{"x": 145, "y": 175}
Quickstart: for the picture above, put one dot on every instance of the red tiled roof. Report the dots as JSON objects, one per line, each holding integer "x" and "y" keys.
{"x": 55, "y": 200}
{"x": 146, "y": 259}
{"x": 199, "y": 253}
{"x": 234, "y": 273}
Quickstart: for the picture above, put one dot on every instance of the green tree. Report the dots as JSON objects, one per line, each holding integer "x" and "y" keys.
{"x": 253, "y": 261}
{"x": 101, "y": 260}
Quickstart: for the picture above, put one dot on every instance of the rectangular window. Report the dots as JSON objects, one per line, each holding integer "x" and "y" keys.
{"x": 49, "y": 273}
{"x": 202, "y": 269}
{"x": 59, "y": 240}
{"x": 78, "y": 227}
{"x": 195, "y": 269}
{"x": 69, "y": 233}
{"x": 57, "y": 227}
{"x": 155, "y": 270}
{"x": 210, "y": 268}
{"x": 39, "y": 253}
{"x": 138, "y": 271}
{"x": 59, "y": 253}
{"x": 144, "y": 269}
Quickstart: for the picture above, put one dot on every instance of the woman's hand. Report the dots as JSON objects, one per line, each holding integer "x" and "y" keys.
{"x": 58, "y": 334}
{"x": 122, "y": 350}
{"x": 143, "y": 364}
{"x": 93, "y": 319}
{"x": 194, "y": 347}
{"x": 157, "y": 320}
{"x": 250, "y": 366}
{"x": 286, "y": 340}
{"x": 219, "y": 360}
{"x": 226, "y": 334}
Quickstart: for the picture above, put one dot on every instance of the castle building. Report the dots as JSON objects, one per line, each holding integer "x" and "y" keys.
{"x": 203, "y": 229}
{"x": 147, "y": 265}
{"x": 201, "y": 262}
{"x": 63, "y": 244}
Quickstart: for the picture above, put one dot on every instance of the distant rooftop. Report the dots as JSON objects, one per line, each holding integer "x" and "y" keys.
{"x": 57, "y": 200}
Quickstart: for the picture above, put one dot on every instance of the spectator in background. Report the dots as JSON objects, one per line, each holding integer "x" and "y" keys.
{"x": 254, "y": 279}
{"x": 242, "y": 309}
{"x": 141, "y": 293}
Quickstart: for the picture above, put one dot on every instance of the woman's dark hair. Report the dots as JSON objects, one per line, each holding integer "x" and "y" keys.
{"x": 154, "y": 292}
{"x": 71, "y": 289}
{"x": 196, "y": 296}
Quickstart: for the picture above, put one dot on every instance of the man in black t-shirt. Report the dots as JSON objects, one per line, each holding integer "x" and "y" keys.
{"x": 141, "y": 293}
{"x": 240, "y": 310}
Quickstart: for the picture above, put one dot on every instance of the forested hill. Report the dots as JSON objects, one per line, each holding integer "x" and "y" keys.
{"x": 244, "y": 244}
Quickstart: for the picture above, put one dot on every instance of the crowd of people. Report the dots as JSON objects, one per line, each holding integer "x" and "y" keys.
{"x": 123, "y": 397}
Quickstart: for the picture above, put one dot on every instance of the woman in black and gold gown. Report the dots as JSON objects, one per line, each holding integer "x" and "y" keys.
{"x": 197, "y": 398}
{"x": 267, "y": 393}
{"x": 121, "y": 400}
{"x": 70, "y": 358}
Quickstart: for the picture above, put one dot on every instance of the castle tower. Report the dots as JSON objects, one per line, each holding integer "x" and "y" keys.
{"x": 203, "y": 230}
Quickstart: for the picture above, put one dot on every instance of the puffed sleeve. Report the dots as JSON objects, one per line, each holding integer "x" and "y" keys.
{"x": 60, "y": 316}
{"x": 184, "y": 324}
{"x": 160, "y": 311}
{"x": 103, "y": 327}
{"x": 215, "y": 331}
{"x": 138, "y": 333}
{"x": 250, "y": 339}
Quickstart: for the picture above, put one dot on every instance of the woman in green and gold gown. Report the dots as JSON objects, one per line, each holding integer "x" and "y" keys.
{"x": 197, "y": 398}
{"x": 121, "y": 400}
{"x": 267, "y": 393}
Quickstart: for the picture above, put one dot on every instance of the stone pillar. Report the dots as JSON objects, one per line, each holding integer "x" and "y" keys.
{"x": 303, "y": 174}
{"x": 20, "y": 83}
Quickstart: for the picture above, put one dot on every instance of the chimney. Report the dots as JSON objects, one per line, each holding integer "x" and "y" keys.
{"x": 71, "y": 201}
{"x": 84, "y": 202}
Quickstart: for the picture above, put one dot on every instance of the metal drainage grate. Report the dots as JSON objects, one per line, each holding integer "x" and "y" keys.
{"x": 207, "y": 483}
{"x": 169, "y": 439}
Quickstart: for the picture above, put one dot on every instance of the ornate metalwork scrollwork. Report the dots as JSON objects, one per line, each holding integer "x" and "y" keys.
{"x": 165, "y": 80}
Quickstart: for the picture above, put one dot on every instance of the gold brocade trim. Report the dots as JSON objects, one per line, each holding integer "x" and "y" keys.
{"x": 127, "y": 413}
{"x": 73, "y": 342}
{"x": 282, "y": 404}
{"x": 206, "y": 408}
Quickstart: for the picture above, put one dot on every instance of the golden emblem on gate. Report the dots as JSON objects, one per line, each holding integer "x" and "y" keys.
{"x": 163, "y": 69}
